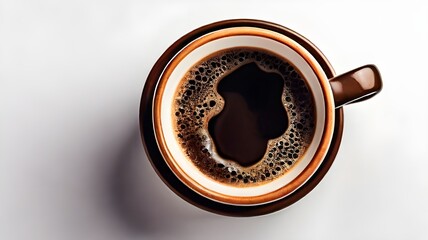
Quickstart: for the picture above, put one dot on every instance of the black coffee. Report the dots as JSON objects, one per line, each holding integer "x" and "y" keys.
{"x": 253, "y": 114}
{"x": 243, "y": 116}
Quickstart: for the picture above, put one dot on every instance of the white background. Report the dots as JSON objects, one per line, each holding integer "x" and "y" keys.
{"x": 72, "y": 165}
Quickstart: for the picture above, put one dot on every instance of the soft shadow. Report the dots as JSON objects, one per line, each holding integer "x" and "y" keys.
{"x": 140, "y": 199}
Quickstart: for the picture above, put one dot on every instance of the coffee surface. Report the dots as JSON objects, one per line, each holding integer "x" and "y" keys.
{"x": 243, "y": 116}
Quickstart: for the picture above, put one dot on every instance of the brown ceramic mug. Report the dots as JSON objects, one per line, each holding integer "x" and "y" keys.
{"x": 244, "y": 115}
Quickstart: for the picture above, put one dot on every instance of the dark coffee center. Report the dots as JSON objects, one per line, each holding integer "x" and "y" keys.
{"x": 253, "y": 114}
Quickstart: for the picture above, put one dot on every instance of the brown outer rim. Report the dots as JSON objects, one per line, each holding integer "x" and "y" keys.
{"x": 159, "y": 164}
{"x": 321, "y": 150}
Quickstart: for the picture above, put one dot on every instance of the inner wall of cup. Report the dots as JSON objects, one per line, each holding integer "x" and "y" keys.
{"x": 182, "y": 162}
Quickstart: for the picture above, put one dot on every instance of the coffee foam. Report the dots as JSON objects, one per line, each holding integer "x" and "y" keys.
{"x": 197, "y": 101}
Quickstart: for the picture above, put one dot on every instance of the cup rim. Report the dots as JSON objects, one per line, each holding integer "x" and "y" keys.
{"x": 320, "y": 151}
{"x": 168, "y": 177}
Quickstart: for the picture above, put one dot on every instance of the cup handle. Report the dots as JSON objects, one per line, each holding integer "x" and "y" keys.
{"x": 356, "y": 85}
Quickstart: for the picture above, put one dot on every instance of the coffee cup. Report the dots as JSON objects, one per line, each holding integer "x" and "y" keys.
{"x": 244, "y": 115}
